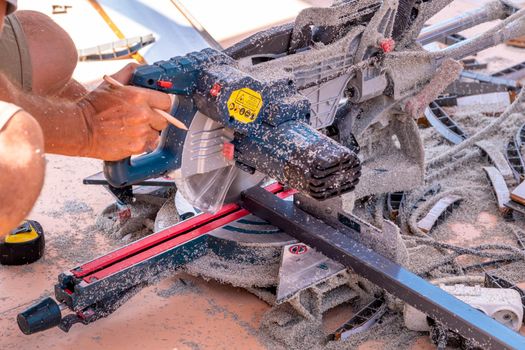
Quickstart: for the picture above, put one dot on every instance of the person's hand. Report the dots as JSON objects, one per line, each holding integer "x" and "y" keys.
{"x": 120, "y": 120}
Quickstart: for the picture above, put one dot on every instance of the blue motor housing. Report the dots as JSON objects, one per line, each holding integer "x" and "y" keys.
{"x": 269, "y": 120}
{"x": 299, "y": 156}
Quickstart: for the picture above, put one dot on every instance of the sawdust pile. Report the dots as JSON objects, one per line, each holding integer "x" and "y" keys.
{"x": 481, "y": 223}
{"x": 147, "y": 214}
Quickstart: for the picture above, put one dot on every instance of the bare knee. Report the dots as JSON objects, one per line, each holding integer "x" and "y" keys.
{"x": 53, "y": 53}
{"x": 22, "y": 168}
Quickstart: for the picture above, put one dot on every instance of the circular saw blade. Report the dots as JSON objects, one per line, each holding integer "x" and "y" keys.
{"x": 206, "y": 178}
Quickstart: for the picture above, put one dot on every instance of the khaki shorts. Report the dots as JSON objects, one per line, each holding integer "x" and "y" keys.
{"x": 15, "y": 61}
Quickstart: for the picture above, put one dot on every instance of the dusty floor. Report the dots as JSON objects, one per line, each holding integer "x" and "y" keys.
{"x": 171, "y": 315}
{"x": 204, "y": 315}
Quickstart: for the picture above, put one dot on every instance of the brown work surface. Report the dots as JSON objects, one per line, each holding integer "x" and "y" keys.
{"x": 518, "y": 195}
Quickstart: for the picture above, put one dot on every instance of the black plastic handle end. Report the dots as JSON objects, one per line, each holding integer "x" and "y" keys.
{"x": 38, "y": 317}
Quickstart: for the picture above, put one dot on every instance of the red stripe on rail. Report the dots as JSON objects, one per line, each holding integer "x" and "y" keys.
{"x": 158, "y": 238}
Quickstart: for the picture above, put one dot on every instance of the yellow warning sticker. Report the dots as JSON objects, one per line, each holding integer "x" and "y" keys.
{"x": 244, "y": 105}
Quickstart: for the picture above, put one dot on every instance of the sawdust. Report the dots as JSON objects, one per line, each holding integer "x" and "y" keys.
{"x": 282, "y": 328}
{"x": 211, "y": 266}
{"x": 139, "y": 224}
{"x": 481, "y": 222}
{"x": 167, "y": 215}
{"x": 78, "y": 251}
{"x": 511, "y": 272}
{"x": 179, "y": 286}
{"x": 215, "y": 309}
{"x": 71, "y": 207}
{"x": 390, "y": 332}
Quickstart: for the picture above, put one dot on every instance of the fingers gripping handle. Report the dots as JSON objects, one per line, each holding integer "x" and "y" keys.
{"x": 179, "y": 76}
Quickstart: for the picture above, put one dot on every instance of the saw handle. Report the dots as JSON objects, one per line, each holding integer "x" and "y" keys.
{"x": 129, "y": 171}
{"x": 167, "y": 156}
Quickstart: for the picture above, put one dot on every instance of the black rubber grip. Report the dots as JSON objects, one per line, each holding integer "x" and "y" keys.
{"x": 41, "y": 316}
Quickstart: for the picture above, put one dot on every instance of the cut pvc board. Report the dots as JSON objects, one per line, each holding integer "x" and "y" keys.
{"x": 495, "y": 102}
{"x": 437, "y": 211}
{"x": 499, "y": 186}
{"x": 492, "y": 98}
{"x": 518, "y": 195}
{"x": 498, "y": 159}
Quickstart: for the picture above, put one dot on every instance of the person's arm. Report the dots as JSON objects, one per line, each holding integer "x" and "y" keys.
{"x": 55, "y": 119}
{"x": 53, "y": 56}
{"x": 22, "y": 168}
{"x": 108, "y": 123}
{"x": 73, "y": 91}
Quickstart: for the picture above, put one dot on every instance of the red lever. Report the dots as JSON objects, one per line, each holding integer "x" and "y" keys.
{"x": 228, "y": 150}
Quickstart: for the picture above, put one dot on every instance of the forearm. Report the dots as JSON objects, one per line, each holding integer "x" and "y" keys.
{"x": 62, "y": 122}
{"x": 73, "y": 91}
{"x": 109, "y": 123}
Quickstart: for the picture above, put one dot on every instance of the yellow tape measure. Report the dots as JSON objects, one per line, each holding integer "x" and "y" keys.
{"x": 23, "y": 245}
{"x": 22, "y": 237}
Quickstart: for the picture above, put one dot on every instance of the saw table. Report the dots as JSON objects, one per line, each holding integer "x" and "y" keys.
{"x": 97, "y": 288}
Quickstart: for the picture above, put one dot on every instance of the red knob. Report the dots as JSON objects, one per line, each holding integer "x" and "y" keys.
{"x": 387, "y": 45}
{"x": 215, "y": 89}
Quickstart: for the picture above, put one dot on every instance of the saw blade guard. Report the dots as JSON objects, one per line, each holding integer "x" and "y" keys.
{"x": 207, "y": 191}
{"x": 207, "y": 178}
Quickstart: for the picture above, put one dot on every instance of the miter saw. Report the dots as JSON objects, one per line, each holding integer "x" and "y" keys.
{"x": 324, "y": 106}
